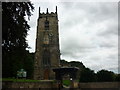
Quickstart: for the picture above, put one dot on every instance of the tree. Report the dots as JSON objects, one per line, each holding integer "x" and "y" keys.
{"x": 14, "y": 32}
{"x": 117, "y": 78}
{"x": 29, "y": 64}
{"x": 77, "y": 64}
{"x": 72, "y": 64}
{"x": 64, "y": 63}
{"x": 105, "y": 76}
{"x": 87, "y": 75}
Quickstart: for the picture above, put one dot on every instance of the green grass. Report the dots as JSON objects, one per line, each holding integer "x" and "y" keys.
{"x": 66, "y": 82}
{"x": 18, "y": 80}
{"x": 23, "y": 80}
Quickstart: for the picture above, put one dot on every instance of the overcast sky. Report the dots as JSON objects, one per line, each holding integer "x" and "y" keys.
{"x": 88, "y": 32}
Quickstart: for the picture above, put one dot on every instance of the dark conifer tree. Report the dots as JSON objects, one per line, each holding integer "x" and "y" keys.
{"x": 14, "y": 32}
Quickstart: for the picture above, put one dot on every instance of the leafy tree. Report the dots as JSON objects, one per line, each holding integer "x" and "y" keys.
{"x": 117, "y": 78}
{"x": 105, "y": 76}
{"x": 14, "y": 32}
{"x": 64, "y": 63}
{"x": 77, "y": 64}
{"x": 72, "y": 64}
{"x": 29, "y": 64}
{"x": 87, "y": 75}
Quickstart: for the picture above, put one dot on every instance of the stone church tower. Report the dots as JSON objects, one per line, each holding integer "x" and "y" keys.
{"x": 47, "y": 54}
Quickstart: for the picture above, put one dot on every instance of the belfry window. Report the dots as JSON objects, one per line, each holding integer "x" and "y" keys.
{"x": 46, "y": 58}
{"x": 46, "y": 25}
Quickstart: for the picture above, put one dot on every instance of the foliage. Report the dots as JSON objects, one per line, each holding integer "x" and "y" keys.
{"x": 64, "y": 63}
{"x": 14, "y": 24}
{"x": 72, "y": 64}
{"x": 87, "y": 75}
{"x": 105, "y": 76}
{"x": 77, "y": 64}
{"x": 117, "y": 78}
{"x": 14, "y": 32}
{"x": 29, "y": 64}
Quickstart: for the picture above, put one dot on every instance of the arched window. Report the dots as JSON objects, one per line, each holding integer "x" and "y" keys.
{"x": 46, "y": 58}
{"x": 46, "y": 25}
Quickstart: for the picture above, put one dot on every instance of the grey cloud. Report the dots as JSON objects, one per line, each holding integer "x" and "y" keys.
{"x": 98, "y": 11}
{"x": 94, "y": 14}
{"x": 106, "y": 45}
{"x": 111, "y": 28}
{"x": 87, "y": 32}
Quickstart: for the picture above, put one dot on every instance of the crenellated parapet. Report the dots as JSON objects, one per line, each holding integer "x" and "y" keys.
{"x": 47, "y": 13}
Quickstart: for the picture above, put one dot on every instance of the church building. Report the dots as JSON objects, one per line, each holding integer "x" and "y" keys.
{"x": 47, "y": 54}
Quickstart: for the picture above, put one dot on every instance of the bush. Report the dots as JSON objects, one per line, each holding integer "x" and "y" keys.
{"x": 105, "y": 76}
{"x": 87, "y": 75}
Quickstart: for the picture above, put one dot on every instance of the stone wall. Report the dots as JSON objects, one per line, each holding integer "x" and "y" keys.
{"x": 35, "y": 85}
{"x": 50, "y": 85}
{"x": 100, "y": 86}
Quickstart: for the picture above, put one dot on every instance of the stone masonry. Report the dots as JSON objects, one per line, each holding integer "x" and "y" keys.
{"x": 47, "y": 54}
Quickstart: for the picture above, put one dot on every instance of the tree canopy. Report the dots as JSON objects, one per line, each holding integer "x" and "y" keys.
{"x": 105, "y": 75}
{"x": 87, "y": 75}
{"x": 14, "y": 32}
{"x": 14, "y": 24}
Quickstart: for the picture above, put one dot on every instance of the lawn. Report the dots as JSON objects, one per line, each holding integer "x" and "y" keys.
{"x": 66, "y": 82}
{"x": 18, "y": 80}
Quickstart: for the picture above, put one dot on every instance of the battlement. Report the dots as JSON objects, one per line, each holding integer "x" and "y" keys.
{"x": 48, "y": 14}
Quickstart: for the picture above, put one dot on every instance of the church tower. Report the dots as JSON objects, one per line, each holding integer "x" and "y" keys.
{"x": 47, "y": 54}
